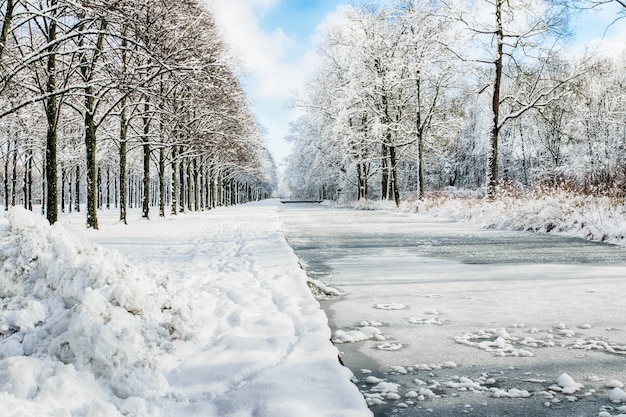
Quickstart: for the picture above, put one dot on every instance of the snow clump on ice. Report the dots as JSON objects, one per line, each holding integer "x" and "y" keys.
{"x": 390, "y": 306}
{"x": 567, "y": 385}
{"x": 357, "y": 335}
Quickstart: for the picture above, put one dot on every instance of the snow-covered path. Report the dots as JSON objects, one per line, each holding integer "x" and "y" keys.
{"x": 241, "y": 334}
{"x": 468, "y": 321}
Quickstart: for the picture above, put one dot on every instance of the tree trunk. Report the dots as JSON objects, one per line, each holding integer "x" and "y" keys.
{"x": 100, "y": 191}
{"x": 174, "y": 183}
{"x": 394, "y": 175}
{"x": 146, "y": 161}
{"x": 162, "y": 181}
{"x": 420, "y": 137}
{"x": 69, "y": 189}
{"x": 52, "y": 119}
{"x": 108, "y": 188}
{"x": 63, "y": 180}
{"x": 188, "y": 177}
{"x": 77, "y": 191}
{"x": 6, "y": 176}
{"x": 87, "y": 69}
{"x": 122, "y": 167}
{"x": 492, "y": 160}
{"x": 28, "y": 181}
{"x": 6, "y": 25}
{"x": 25, "y": 185}
{"x": 181, "y": 171}
{"x": 14, "y": 175}
{"x": 384, "y": 180}
{"x": 92, "y": 171}
{"x": 359, "y": 181}
{"x": 196, "y": 189}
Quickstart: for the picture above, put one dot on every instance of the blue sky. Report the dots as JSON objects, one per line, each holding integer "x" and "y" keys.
{"x": 274, "y": 41}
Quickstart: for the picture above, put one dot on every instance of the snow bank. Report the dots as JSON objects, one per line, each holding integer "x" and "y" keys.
{"x": 77, "y": 322}
{"x": 226, "y": 327}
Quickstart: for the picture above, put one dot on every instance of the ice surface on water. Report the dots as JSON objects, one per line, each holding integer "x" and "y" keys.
{"x": 515, "y": 311}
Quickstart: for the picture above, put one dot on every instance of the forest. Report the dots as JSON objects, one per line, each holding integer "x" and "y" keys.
{"x": 417, "y": 96}
{"x": 118, "y": 104}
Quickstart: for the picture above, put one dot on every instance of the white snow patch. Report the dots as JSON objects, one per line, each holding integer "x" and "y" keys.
{"x": 357, "y": 335}
{"x": 615, "y": 384}
{"x": 389, "y": 346}
{"x": 617, "y": 395}
{"x": 511, "y": 393}
{"x": 390, "y": 306}
{"x": 497, "y": 341}
{"x": 568, "y": 385}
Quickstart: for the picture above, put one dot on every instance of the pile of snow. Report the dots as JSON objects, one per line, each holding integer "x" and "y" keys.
{"x": 390, "y": 306}
{"x": 76, "y": 320}
{"x": 84, "y": 333}
{"x": 381, "y": 391}
{"x": 510, "y": 393}
{"x": 357, "y": 335}
{"x": 567, "y": 385}
{"x": 497, "y": 341}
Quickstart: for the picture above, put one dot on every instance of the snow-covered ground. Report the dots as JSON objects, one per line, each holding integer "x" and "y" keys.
{"x": 204, "y": 314}
{"x": 209, "y": 314}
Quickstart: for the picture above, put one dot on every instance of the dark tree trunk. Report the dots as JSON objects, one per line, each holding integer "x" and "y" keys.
{"x": 14, "y": 176}
{"x": 492, "y": 159}
{"x": 92, "y": 174}
{"x": 100, "y": 190}
{"x": 52, "y": 119}
{"x": 6, "y": 25}
{"x": 189, "y": 184}
{"x": 196, "y": 189}
{"x": 108, "y": 188}
{"x": 69, "y": 189}
{"x": 6, "y": 176}
{"x": 181, "y": 170}
{"x": 162, "y": 181}
{"x": 63, "y": 180}
{"x": 146, "y": 162}
{"x": 174, "y": 183}
{"x": 394, "y": 175}
{"x": 384, "y": 180}
{"x": 77, "y": 189}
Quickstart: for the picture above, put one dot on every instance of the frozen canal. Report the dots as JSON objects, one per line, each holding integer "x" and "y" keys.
{"x": 463, "y": 321}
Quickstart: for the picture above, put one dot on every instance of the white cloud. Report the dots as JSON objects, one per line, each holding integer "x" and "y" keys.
{"x": 277, "y": 64}
{"x": 262, "y": 54}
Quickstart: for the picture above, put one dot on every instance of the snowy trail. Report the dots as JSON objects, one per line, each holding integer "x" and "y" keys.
{"x": 247, "y": 336}
{"x": 259, "y": 339}
{"x": 458, "y": 320}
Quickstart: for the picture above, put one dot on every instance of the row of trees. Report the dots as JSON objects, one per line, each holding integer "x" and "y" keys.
{"x": 422, "y": 94}
{"x": 102, "y": 100}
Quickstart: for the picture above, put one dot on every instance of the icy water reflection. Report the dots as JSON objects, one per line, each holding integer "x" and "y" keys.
{"x": 557, "y": 301}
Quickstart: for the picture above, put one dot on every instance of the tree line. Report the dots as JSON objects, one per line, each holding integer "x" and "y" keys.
{"x": 412, "y": 95}
{"x": 126, "y": 103}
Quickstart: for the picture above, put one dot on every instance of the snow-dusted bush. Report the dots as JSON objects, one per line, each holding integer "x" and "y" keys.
{"x": 595, "y": 218}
